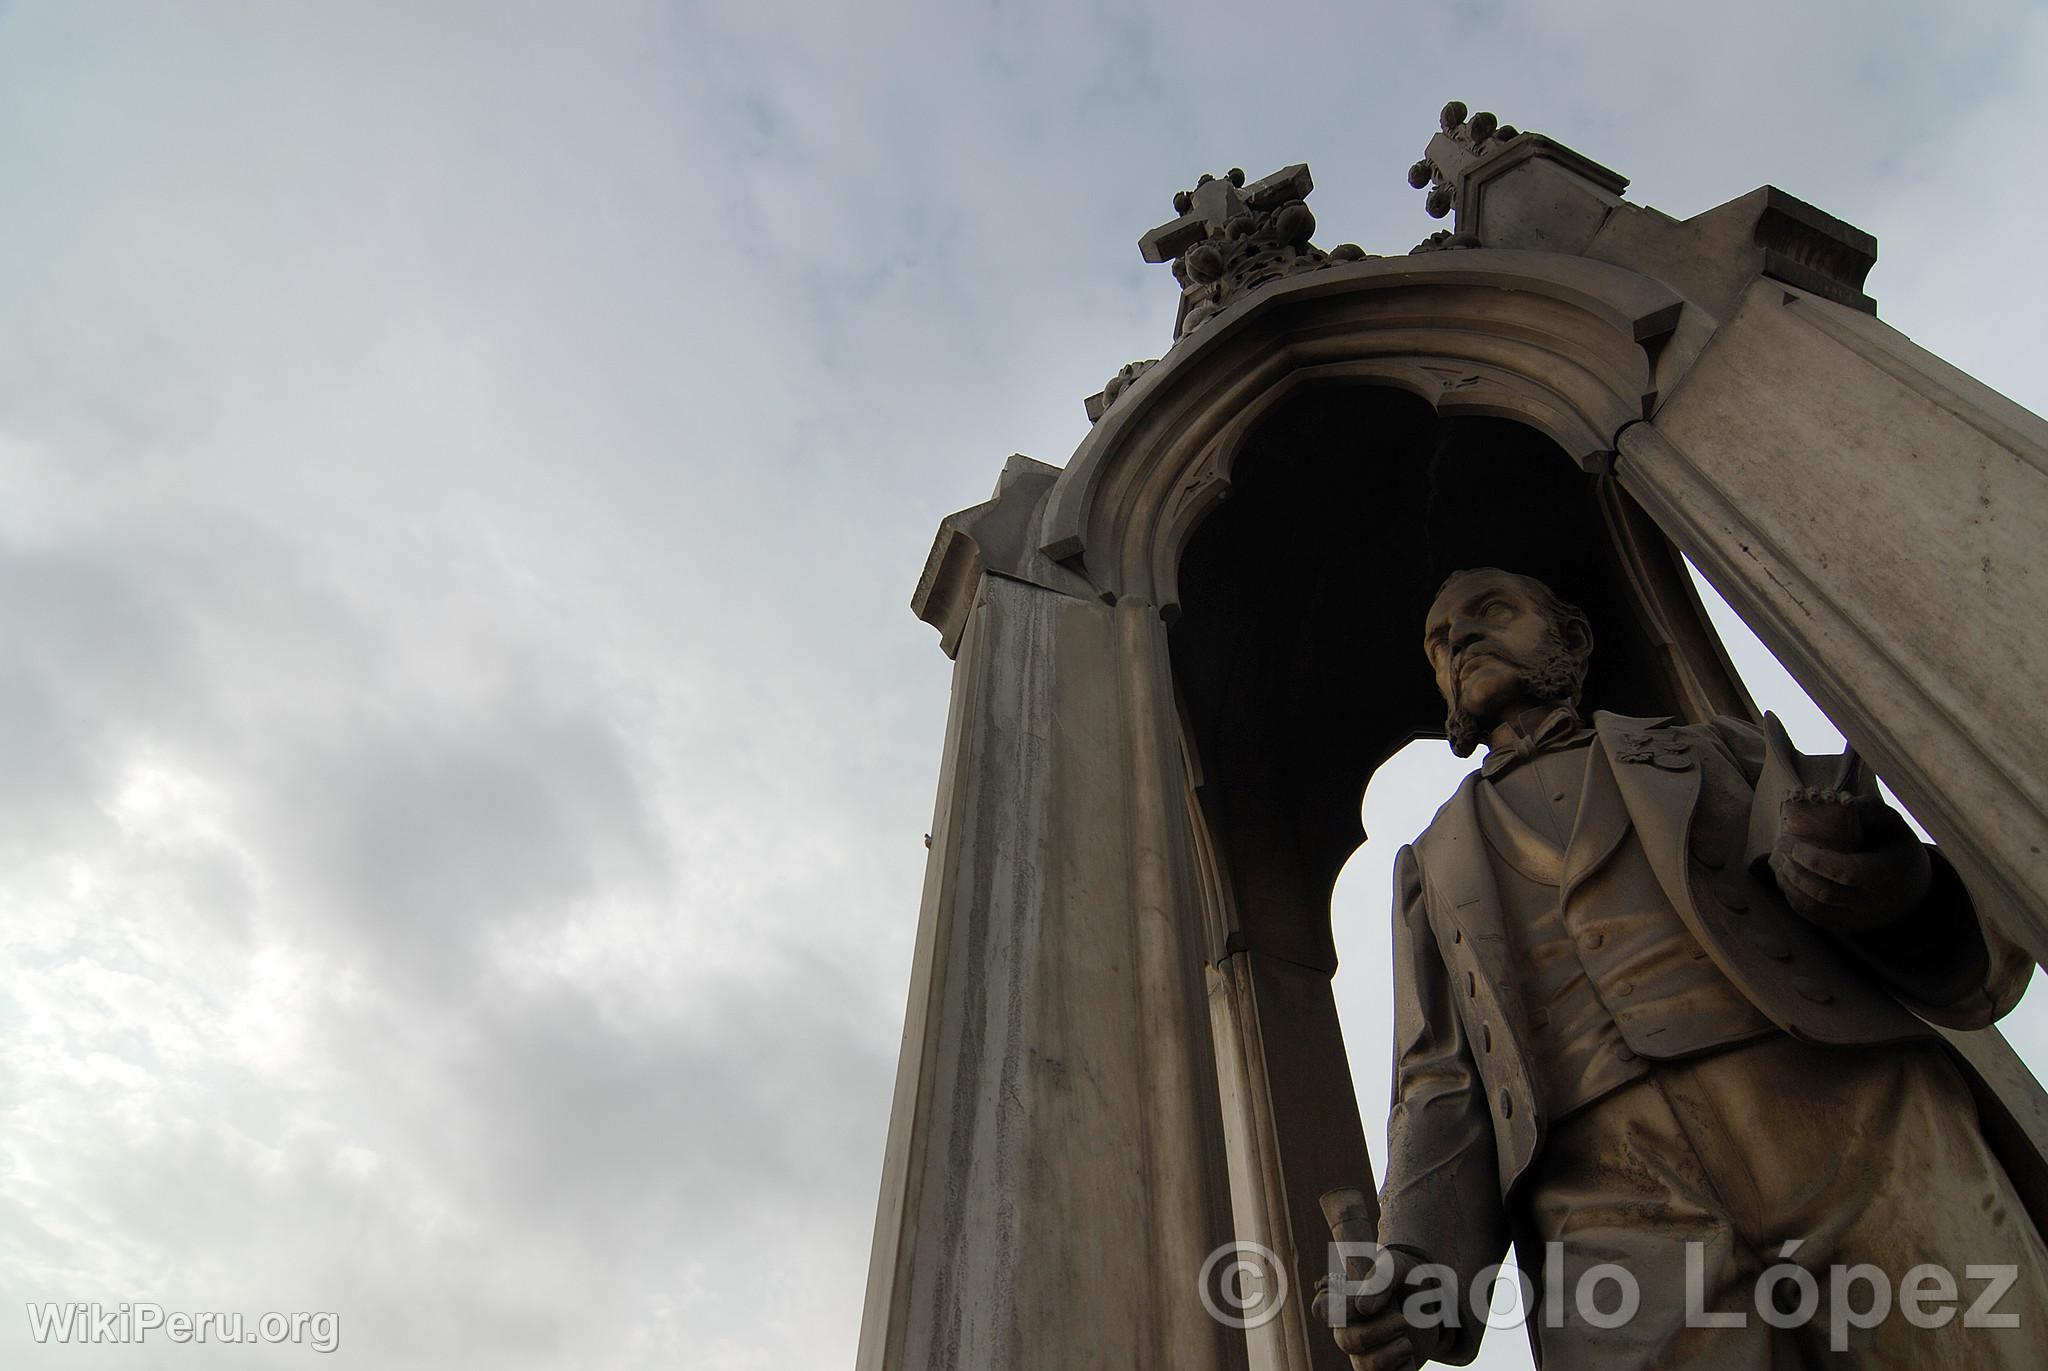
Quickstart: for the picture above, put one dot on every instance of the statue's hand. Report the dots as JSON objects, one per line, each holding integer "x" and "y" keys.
{"x": 1375, "y": 1334}
{"x": 1848, "y": 863}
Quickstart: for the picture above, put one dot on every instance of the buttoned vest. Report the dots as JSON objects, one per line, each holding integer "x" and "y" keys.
{"x": 1609, "y": 973}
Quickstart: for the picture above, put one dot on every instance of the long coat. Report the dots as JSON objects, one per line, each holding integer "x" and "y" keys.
{"x": 1466, "y": 1126}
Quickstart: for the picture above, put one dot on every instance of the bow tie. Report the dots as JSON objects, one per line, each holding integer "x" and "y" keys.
{"x": 1561, "y": 730}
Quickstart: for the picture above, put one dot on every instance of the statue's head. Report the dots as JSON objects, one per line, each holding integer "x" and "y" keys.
{"x": 1499, "y": 642}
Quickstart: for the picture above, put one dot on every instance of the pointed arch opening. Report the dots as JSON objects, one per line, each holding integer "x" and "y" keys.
{"x": 1298, "y": 671}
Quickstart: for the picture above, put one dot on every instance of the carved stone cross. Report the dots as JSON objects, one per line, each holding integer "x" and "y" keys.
{"x": 1215, "y": 201}
{"x": 1232, "y": 238}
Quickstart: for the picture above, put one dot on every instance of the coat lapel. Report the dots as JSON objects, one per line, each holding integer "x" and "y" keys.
{"x": 1656, "y": 772}
{"x": 1456, "y": 869}
{"x": 1601, "y": 824}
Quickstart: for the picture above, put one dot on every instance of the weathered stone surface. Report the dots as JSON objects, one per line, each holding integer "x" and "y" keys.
{"x": 1512, "y": 189}
{"x": 1879, "y": 519}
{"x": 1522, "y": 190}
{"x": 996, "y": 538}
{"x": 1054, "y": 1174}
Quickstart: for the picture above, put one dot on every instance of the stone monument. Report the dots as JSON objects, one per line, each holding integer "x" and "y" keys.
{"x": 1178, "y": 660}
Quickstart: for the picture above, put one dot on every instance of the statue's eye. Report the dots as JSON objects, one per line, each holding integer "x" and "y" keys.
{"x": 1498, "y": 609}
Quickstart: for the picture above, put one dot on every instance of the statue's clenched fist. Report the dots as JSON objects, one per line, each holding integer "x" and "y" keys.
{"x": 1369, "y": 1324}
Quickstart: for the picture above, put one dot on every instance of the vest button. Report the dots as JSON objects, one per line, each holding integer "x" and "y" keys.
{"x": 1625, "y": 1052}
{"x": 1708, "y": 858}
{"x": 1735, "y": 900}
{"x": 1507, "y": 1105}
{"x": 1625, "y": 988}
{"x": 1773, "y": 948}
{"x": 1813, "y": 990}
{"x": 1594, "y": 939}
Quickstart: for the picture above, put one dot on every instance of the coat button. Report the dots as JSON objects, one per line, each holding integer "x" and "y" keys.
{"x": 1593, "y": 940}
{"x": 1813, "y": 990}
{"x": 1507, "y": 1105}
{"x": 1708, "y": 858}
{"x": 1774, "y": 948}
{"x": 1625, "y": 988}
{"x": 1625, "y": 1052}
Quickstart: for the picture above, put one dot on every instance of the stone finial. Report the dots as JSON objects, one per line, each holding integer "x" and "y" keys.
{"x": 1231, "y": 238}
{"x": 1508, "y": 188}
{"x": 1462, "y": 142}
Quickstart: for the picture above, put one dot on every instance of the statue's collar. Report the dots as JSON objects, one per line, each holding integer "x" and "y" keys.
{"x": 1507, "y": 744}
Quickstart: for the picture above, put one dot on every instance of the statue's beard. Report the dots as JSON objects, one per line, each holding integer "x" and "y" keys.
{"x": 1554, "y": 677}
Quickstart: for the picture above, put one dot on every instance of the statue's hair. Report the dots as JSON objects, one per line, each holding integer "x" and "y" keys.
{"x": 1559, "y": 610}
{"x": 1561, "y": 676}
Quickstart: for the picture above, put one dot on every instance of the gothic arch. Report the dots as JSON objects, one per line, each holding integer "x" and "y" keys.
{"x": 1199, "y": 481}
{"x": 1567, "y": 346}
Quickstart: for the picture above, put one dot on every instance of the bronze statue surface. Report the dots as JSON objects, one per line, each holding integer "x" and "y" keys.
{"x": 1662, "y": 1005}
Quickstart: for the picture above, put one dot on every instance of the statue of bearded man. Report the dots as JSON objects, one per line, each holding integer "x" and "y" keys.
{"x": 1655, "y": 1016}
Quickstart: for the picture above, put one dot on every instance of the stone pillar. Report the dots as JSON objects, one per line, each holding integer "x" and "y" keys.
{"x": 1878, "y": 518}
{"x": 1055, "y": 1172}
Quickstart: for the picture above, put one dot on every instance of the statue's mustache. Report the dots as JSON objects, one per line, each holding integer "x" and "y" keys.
{"x": 1551, "y": 673}
{"x": 1485, "y": 652}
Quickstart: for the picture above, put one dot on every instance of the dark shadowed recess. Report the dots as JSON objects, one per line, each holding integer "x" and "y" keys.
{"x": 1297, "y": 658}
{"x": 1298, "y": 652}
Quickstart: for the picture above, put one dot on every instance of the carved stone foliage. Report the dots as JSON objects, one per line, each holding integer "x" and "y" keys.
{"x": 1232, "y": 238}
{"x": 1470, "y": 139}
{"x": 1116, "y": 385}
{"x": 1443, "y": 240}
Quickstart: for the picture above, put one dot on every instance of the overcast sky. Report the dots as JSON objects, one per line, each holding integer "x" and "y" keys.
{"x": 464, "y": 750}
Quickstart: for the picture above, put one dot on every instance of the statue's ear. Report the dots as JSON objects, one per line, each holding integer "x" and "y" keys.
{"x": 1578, "y": 637}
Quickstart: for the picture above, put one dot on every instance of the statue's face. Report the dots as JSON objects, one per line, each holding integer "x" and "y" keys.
{"x": 1486, "y": 638}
